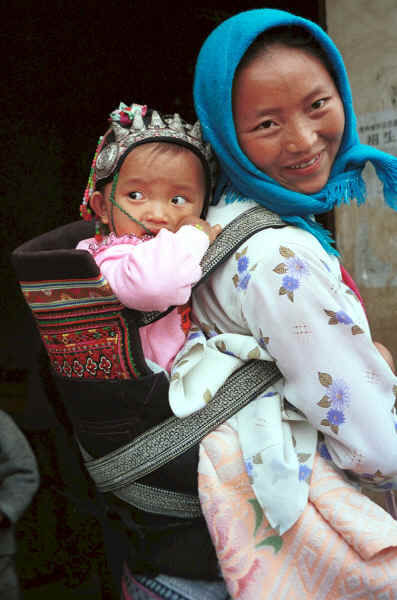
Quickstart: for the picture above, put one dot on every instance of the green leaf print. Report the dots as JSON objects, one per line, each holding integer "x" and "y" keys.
{"x": 276, "y": 541}
{"x": 258, "y": 514}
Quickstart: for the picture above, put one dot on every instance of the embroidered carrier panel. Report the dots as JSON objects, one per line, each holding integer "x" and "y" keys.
{"x": 83, "y": 329}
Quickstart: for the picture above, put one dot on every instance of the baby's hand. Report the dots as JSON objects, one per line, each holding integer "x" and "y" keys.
{"x": 211, "y": 231}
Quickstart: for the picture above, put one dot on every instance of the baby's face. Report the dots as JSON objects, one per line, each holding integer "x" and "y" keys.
{"x": 158, "y": 188}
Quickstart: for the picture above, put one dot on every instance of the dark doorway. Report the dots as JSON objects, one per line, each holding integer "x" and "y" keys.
{"x": 70, "y": 64}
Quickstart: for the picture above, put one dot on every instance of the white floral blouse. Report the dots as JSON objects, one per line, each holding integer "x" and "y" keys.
{"x": 282, "y": 288}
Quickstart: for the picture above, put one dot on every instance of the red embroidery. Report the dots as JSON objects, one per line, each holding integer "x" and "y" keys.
{"x": 186, "y": 322}
{"x": 83, "y": 330}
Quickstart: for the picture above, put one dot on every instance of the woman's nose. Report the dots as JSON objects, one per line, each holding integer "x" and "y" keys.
{"x": 300, "y": 137}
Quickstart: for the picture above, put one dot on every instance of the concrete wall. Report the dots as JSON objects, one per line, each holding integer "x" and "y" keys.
{"x": 366, "y": 33}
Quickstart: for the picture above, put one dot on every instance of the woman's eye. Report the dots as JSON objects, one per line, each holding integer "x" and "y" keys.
{"x": 136, "y": 195}
{"x": 178, "y": 200}
{"x": 266, "y": 124}
{"x": 319, "y": 103}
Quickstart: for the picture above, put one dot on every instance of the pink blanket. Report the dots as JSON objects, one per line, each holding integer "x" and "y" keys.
{"x": 344, "y": 546}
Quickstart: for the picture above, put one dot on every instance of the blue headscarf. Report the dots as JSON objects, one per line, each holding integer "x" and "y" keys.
{"x": 215, "y": 69}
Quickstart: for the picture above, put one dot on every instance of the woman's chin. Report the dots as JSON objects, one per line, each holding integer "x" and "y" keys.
{"x": 309, "y": 186}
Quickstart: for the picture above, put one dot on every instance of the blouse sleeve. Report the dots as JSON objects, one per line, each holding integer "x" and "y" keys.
{"x": 158, "y": 273}
{"x": 314, "y": 327}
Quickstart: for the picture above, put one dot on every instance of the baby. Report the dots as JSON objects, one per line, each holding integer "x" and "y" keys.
{"x": 149, "y": 189}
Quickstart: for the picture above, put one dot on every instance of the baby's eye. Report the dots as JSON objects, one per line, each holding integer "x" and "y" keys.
{"x": 136, "y": 195}
{"x": 319, "y": 103}
{"x": 179, "y": 200}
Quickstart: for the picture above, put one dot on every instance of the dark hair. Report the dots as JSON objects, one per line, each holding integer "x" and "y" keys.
{"x": 291, "y": 36}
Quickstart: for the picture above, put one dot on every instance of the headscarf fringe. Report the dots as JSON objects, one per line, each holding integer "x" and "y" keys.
{"x": 309, "y": 224}
{"x": 323, "y": 235}
{"x": 388, "y": 176}
{"x": 344, "y": 190}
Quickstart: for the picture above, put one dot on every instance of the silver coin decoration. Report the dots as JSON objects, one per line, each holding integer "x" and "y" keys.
{"x": 106, "y": 160}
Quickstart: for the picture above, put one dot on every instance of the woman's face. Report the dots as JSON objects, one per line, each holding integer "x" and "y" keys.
{"x": 289, "y": 117}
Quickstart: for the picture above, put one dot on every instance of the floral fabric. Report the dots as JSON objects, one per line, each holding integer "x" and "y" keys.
{"x": 294, "y": 303}
{"x": 343, "y": 546}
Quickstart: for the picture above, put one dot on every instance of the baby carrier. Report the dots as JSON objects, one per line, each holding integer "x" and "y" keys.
{"x": 142, "y": 459}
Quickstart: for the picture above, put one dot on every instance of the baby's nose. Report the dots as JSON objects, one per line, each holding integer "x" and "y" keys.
{"x": 157, "y": 211}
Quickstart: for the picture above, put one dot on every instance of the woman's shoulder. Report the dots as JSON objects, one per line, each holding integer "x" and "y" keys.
{"x": 266, "y": 246}
{"x": 269, "y": 240}
{"x": 281, "y": 250}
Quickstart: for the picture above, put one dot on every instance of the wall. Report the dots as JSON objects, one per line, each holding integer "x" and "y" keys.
{"x": 365, "y": 32}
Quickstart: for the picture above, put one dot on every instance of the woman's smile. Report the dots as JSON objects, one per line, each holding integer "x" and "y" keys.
{"x": 289, "y": 117}
{"x": 304, "y": 164}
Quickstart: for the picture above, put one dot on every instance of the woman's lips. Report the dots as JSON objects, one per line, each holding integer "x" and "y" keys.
{"x": 305, "y": 167}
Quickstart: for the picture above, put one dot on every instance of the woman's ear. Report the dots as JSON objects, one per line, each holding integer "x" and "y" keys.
{"x": 99, "y": 206}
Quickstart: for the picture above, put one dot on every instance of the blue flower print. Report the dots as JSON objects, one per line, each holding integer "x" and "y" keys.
{"x": 323, "y": 451}
{"x": 243, "y": 283}
{"x": 340, "y": 317}
{"x": 242, "y": 264}
{"x": 293, "y": 270}
{"x": 290, "y": 283}
{"x": 337, "y": 397}
{"x": 304, "y": 473}
{"x": 297, "y": 267}
{"x": 335, "y": 417}
{"x": 193, "y": 335}
{"x": 242, "y": 278}
{"x": 339, "y": 394}
{"x": 249, "y": 467}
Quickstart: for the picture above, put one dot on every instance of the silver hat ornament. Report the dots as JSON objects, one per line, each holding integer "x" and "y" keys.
{"x": 136, "y": 124}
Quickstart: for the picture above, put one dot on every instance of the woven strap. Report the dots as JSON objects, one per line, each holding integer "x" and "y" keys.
{"x": 119, "y": 470}
{"x": 164, "y": 442}
{"x": 160, "y": 501}
{"x": 232, "y": 236}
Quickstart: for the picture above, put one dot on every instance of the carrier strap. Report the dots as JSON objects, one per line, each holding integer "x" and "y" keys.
{"x": 173, "y": 437}
{"x": 119, "y": 471}
{"x": 232, "y": 236}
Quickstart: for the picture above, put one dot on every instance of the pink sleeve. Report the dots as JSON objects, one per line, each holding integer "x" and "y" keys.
{"x": 158, "y": 273}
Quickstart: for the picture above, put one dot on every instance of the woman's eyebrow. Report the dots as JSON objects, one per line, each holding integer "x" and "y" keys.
{"x": 319, "y": 89}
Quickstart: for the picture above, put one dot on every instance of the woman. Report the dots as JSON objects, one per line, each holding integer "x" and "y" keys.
{"x": 274, "y": 101}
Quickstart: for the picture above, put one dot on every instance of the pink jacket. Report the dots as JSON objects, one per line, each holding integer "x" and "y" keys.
{"x": 153, "y": 273}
